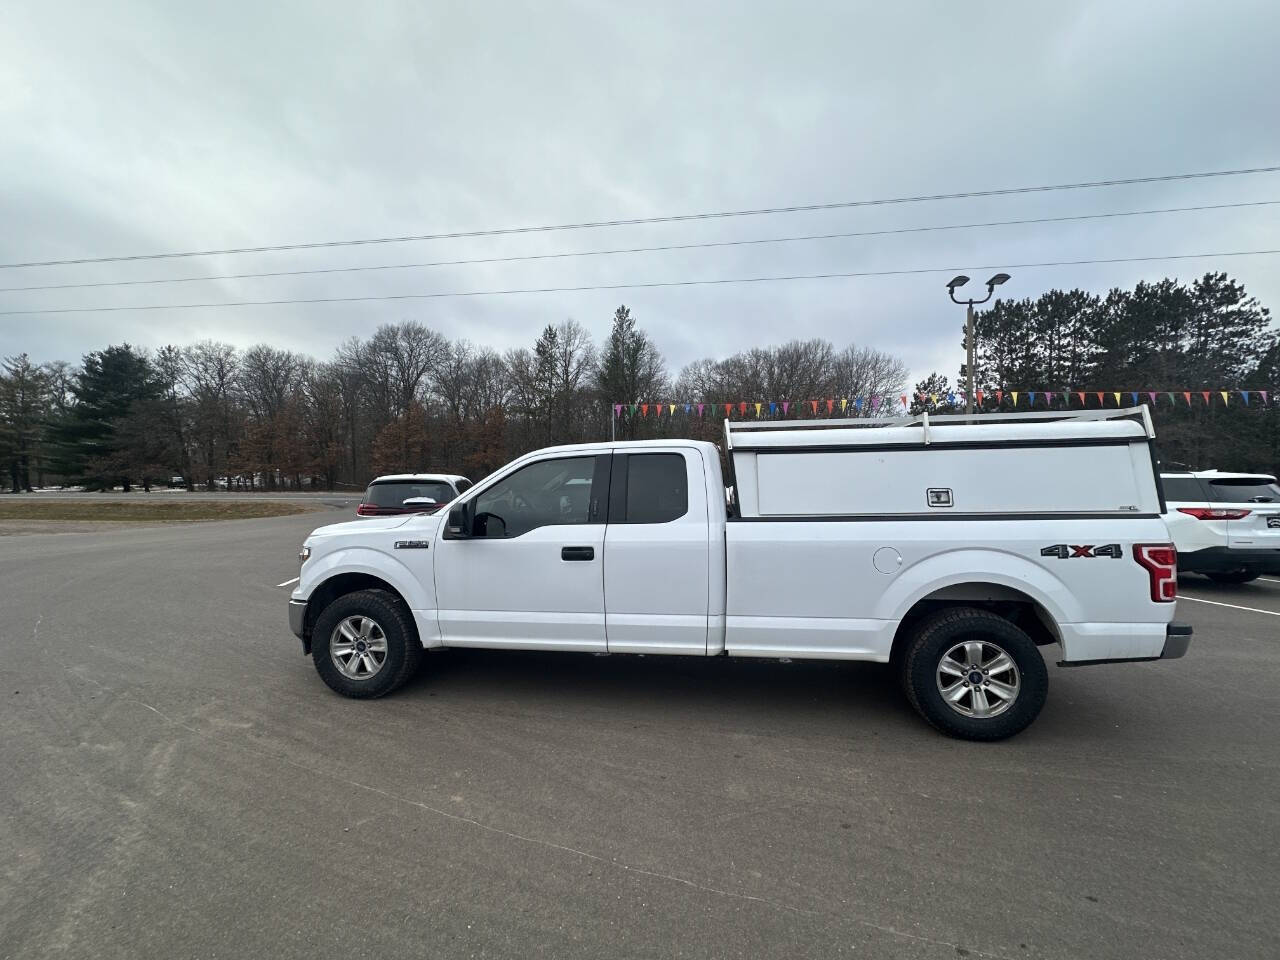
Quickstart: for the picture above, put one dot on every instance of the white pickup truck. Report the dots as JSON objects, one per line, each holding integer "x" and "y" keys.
{"x": 952, "y": 548}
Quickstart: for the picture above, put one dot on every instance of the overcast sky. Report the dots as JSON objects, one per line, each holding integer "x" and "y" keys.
{"x": 146, "y": 127}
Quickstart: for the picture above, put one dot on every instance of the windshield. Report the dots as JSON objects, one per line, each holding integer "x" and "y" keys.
{"x": 394, "y": 493}
{"x": 1245, "y": 490}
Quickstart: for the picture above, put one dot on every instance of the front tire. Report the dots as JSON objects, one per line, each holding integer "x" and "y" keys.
{"x": 974, "y": 675}
{"x": 1232, "y": 576}
{"x": 365, "y": 645}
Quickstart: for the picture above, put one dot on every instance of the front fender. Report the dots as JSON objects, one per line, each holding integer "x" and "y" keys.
{"x": 957, "y": 567}
{"x": 418, "y": 592}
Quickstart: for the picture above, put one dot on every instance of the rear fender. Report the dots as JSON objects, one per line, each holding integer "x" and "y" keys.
{"x": 978, "y": 566}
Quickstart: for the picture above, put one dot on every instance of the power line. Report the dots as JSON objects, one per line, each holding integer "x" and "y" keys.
{"x": 636, "y": 286}
{"x": 804, "y": 208}
{"x": 625, "y": 250}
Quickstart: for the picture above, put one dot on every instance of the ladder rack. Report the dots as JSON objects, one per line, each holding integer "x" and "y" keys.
{"x": 924, "y": 420}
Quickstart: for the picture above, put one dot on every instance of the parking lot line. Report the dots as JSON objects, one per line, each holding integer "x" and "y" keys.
{"x": 1233, "y": 606}
{"x": 1269, "y": 580}
{"x": 288, "y": 582}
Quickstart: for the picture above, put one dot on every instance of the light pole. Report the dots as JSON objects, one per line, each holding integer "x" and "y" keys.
{"x": 960, "y": 281}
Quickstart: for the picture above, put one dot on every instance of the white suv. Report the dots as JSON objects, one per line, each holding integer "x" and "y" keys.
{"x": 1225, "y": 525}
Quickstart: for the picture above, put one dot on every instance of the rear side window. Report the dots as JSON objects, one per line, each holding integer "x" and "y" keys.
{"x": 657, "y": 488}
{"x": 1182, "y": 489}
{"x": 1245, "y": 490}
{"x": 395, "y": 493}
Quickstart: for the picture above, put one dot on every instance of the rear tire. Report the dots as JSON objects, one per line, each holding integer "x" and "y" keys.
{"x": 974, "y": 675}
{"x": 1232, "y": 576}
{"x": 365, "y": 645}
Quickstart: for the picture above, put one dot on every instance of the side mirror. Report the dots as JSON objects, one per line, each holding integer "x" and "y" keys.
{"x": 456, "y": 526}
{"x": 419, "y": 503}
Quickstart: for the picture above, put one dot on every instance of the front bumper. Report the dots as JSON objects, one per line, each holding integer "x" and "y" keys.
{"x": 298, "y": 621}
{"x": 1227, "y": 559}
{"x": 1177, "y": 639}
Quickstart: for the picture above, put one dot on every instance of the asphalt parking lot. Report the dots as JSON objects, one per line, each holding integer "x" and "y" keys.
{"x": 177, "y": 782}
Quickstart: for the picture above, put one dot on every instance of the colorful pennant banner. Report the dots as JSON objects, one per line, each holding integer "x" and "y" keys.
{"x": 889, "y": 405}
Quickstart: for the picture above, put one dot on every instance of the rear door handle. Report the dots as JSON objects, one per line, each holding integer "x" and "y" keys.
{"x": 577, "y": 553}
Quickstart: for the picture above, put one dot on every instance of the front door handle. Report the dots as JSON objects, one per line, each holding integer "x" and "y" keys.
{"x": 577, "y": 553}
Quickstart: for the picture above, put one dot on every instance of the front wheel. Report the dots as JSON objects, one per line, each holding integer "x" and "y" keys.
{"x": 365, "y": 645}
{"x": 1232, "y": 576}
{"x": 974, "y": 675}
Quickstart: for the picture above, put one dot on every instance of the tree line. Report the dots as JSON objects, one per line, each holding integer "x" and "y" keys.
{"x": 405, "y": 399}
{"x": 409, "y": 399}
{"x": 1163, "y": 336}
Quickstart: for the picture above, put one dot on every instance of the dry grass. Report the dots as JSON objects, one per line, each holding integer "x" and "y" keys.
{"x": 130, "y": 511}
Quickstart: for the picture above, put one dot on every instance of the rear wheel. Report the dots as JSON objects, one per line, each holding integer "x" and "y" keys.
{"x": 364, "y": 644}
{"x": 1232, "y": 576}
{"x": 974, "y": 675}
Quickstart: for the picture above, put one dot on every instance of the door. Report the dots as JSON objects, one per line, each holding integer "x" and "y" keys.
{"x": 656, "y": 554}
{"x": 530, "y": 574}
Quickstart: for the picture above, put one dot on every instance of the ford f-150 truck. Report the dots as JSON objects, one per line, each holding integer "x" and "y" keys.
{"x": 952, "y": 548}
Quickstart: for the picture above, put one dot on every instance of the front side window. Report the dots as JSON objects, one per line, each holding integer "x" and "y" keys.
{"x": 539, "y": 495}
{"x": 657, "y": 487}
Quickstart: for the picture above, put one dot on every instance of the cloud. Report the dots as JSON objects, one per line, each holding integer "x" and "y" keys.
{"x": 148, "y": 127}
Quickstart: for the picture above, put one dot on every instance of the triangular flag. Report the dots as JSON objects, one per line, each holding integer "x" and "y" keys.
{"x": 1205, "y": 394}
{"x": 672, "y": 411}
{"x": 1264, "y": 397}
{"x": 1187, "y": 395}
{"x": 700, "y": 406}
{"x": 920, "y": 396}
{"x": 1048, "y": 398}
{"x": 1172, "y": 399}
{"x": 979, "y": 393}
{"x": 951, "y": 398}
{"x": 999, "y": 397}
{"x": 1080, "y": 393}
{"x": 814, "y": 405}
{"x": 742, "y": 407}
{"x": 757, "y": 409}
{"x": 1134, "y": 395}
{"x": 1245, "y": 394}
{"x": 831, "y": 405}
{"x": 728, "y": 409}
{"x": 1116, "y": 393}
{"x": 785, "y": 405}
{"x": 1014, "y": 394}
{"x": 633, "y": 409}
{"x": 857, "y": 403}
{"x": 903, "y": 398}
{"x": 617, "y": 410}
{"x": 687, "y": 407}
{"x": 1224, "y": 397}
{"x": 933, "y": 397}
{"x": 844, "y": 404}
{"x": 875, "y": 403}
{"x": 1101, "y": 399}
{"x": 644, "y": 409}
{"x": 773, "y": 408}
{"x": 1031, "y": 399}
{"x": 1152, "y": 395}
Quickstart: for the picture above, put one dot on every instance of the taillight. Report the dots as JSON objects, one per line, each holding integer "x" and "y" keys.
{"x": 1214, "y": 513}
{"x": 1160, "y": 560}
{"x": 368, "y": 510}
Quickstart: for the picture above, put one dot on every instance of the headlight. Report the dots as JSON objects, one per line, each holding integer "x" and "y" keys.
{"x": 304, "y": 553}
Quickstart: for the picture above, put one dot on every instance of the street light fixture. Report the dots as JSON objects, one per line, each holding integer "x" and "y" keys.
{"x": 960, "y": 281}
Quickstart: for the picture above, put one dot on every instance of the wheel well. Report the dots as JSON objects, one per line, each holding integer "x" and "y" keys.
{"x": 340, "y": 586}
{"x": 1013, "y": 605}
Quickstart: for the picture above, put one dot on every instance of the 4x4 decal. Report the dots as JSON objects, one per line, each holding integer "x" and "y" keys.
{"x": 1065, "y": 551}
